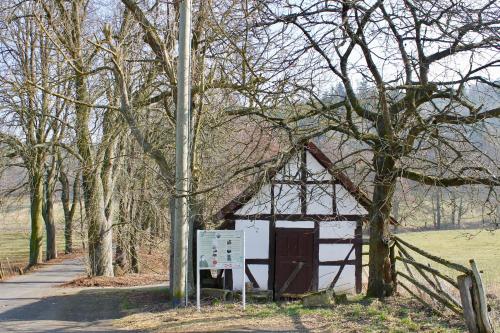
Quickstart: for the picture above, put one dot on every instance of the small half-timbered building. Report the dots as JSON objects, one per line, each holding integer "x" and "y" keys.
{"x": 303, "y": 227}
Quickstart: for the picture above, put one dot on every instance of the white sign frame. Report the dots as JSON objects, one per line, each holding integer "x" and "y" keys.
{"x": 227, "y": 233}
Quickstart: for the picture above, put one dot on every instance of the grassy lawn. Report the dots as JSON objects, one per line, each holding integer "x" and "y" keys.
{"x": 149, "y": 312}
{"x": 460, "y": 246}
{"x": 15, "y": 230}
{"x": 15, "y": 245}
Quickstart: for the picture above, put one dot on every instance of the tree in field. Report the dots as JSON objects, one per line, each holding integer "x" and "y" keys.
{"x": 66, "y": 25}
{"x": 31, "y": 118}
{"x": 417, "y": 60}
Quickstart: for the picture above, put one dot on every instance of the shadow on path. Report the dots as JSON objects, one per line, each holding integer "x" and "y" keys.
{"x": 84, "y": 306}
{"x": 34, "y": 303}
{"x": 83, "y": 311}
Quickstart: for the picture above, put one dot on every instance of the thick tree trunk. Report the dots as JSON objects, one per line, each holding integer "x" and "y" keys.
{"x": 99, "y": 227}
{"x": 69, "y": 208}
{"x": 134, "y": 250}
{"x": 100, "y": 236}
{"x": 36, "y": 238}
{"x": 68, "y": 223}
{"x": 82, "y": 223}
{"x": 50, "y": 224}
{"x": 380, "y": 280}
{"x": 121, "y": 255}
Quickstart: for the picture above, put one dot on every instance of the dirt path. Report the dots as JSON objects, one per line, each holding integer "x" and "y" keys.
{"x": 34, "y": 303}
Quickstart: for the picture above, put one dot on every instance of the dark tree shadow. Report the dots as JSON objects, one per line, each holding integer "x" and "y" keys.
{"x": 86, "y": 308}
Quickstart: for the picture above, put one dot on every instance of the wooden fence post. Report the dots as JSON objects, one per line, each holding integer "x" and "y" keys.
{"x": 473, "y": 307}
{"x": 479, "y": 301}
{"x": 394, "y": 274}
{"x": 465, "y": 286}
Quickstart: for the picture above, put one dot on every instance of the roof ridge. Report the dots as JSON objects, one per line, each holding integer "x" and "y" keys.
{"x": 245, "y": 196}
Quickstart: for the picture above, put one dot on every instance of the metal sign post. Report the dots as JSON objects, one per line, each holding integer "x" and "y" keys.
{"x": 243, "y": 275}
{"x": 198, "y": 284}
{"x": 219, "y": 249}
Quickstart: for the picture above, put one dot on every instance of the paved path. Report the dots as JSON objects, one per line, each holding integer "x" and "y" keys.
{"x": 33, "y": 303}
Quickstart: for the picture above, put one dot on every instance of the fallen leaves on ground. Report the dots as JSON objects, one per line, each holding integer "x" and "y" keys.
{"x": 126, "y": 280}
{"x": 359, "y": 314}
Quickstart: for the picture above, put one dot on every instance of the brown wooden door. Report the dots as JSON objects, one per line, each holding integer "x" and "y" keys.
{"x": 293, "y": 247}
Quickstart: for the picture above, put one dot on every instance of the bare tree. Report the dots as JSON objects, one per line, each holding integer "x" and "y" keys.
{"x": 66, "y": 25}
{"x": 31, "y": 118}
{"x": 158, "y": 87}
{"x": 417, "y": 59}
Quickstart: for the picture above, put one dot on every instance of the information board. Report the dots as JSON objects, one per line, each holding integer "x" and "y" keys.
{"x": 220, "y": 249}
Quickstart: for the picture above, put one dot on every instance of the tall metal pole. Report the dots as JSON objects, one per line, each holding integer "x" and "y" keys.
{"x": 180, "y": 257}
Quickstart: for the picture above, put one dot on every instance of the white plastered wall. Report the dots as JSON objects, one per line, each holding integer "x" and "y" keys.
{"x": 256, "y": 237}
{"x": 319, "y": 199}
{"x": 315, "y": 170}
{"x": 331, "y": 252}
{"x": 259, "y": 272}
{"x": 337, "y": 252}
{"x": 260, "y": 203}
{"x": 256, "y": 247}
{"x": 345, "y": 283}
{"x": 287, "y": 198}
{"x": 346, "y": 203}
{"x": 337, "y": 229}
{"x": 295, "y": 224}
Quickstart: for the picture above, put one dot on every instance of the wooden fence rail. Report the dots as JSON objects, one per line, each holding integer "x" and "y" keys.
{"x": 437, "y": 259}
{"x": 429, "y": 281}
{"x": 7, "y": 269}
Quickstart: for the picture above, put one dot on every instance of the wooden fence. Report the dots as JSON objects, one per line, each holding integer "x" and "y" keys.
{"x": 8, "y": 269}
{"x": 462, "y": 294}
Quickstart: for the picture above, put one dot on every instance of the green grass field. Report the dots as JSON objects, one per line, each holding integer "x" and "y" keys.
{"x": 14, "y": 246}
{"x": 15, "y": 230}
{"x": 455, "y": 245}
{"x": 462, "y": 245}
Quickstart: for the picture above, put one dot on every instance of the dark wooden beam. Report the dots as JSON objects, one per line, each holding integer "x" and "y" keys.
{"x": 257, "y": 261}
{"x": 272, "y": 244}
{"x": 337, "y": 262}
{"x": 341, "y": 269}
{"x": 358, "y": 251}
{"x": 298, "y": 217}
{"x": 227, "y": 224}
{"x": 339, "y": 241}
{"x": 250, "y": 276}
{"x": 228, "y": 279}
{"x": 303, "y": 179}
{"x": 315, "y": 275}
{"x": 334, "y": 200}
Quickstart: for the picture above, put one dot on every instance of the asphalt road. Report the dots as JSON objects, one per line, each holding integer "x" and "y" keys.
{"x": 34, "y": 303}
